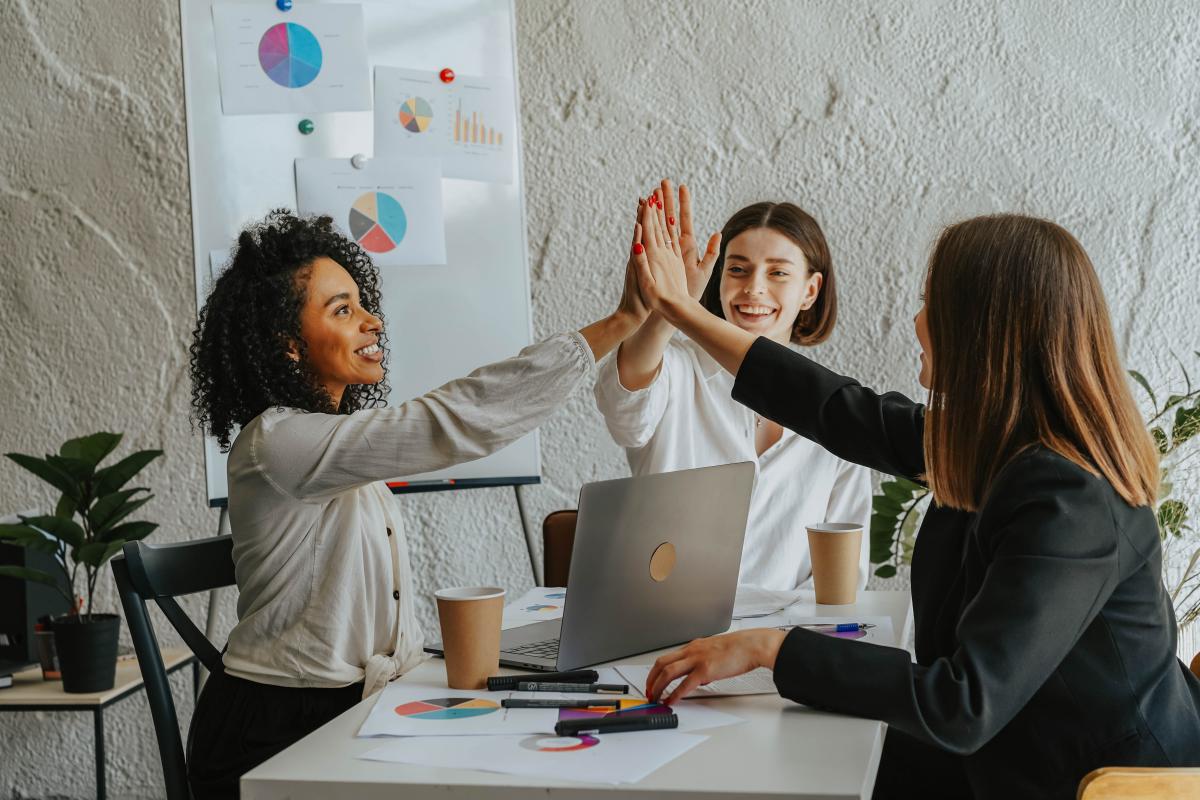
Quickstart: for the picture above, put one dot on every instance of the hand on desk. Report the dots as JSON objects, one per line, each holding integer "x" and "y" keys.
{"x": 707, "y": 660}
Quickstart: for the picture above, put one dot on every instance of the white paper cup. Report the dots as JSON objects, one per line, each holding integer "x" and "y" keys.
{"x": 833, "y": 548}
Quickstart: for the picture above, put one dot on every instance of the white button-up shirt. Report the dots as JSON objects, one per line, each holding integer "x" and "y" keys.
{"x": 326, "y": 587}
{"x": 687, "y": 418}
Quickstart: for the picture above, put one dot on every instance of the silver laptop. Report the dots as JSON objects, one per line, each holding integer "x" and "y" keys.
{"x": 655, "y": 563}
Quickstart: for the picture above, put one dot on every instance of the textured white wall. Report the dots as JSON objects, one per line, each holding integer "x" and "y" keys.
{"x": 886, "y": 120}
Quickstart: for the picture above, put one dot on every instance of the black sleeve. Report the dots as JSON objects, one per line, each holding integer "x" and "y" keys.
{"x": 883, "y": 432}
{"x": 1052, "y": 564}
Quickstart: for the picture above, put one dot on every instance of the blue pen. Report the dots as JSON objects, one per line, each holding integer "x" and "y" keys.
{"x": 840, "y": 627}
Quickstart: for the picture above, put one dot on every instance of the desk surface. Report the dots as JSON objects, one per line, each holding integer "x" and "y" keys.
{"x": 780, "y": 749}
{"x": 29, "y": 689}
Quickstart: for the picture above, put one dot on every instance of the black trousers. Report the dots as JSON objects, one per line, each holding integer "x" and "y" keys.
{"x": 912, "y": 769}
{"x": 239, "y": 724}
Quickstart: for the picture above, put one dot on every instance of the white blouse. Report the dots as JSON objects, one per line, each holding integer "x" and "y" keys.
{"x": 687, "y": 418}
{"x": 325, "y": 582}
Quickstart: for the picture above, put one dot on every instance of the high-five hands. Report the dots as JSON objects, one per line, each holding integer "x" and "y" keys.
{"x": 658, "y": 255}
{"x": 698, "y": 268}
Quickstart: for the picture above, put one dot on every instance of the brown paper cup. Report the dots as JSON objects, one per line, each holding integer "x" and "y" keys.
{"x": 470, "y": 619}
{"x": 834, "y": 548}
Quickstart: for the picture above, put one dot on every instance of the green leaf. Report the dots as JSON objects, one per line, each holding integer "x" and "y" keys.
{"x": 1173, "y": 401}
{"x": 90, "y": 450}
{"x": 27, "y": 574}
{"x": 63, "y": 528}
{"x": 66, "y": 507}
{"x": 112, "y": 478}
{"x": 80, "y": 470}
{"x": 1145, "y": 384}
{"x": 886, "y": 571}
{"x": 885, "y": 506}
{"x": 25, "y": 536}
{"x": 1172, "y": 514}
{"x": 48, "y": 472}
{"x": 129, "y": 532}
{"x": 1186, "y": 378}
{"x": 913, "y": 486}
{"x": 1160, "y": 440}
{"x": 94, "y": 554}
{"x": 896, "y": 492}
{"x": 112, "y": 508}
{"x": 1187, "y": 425}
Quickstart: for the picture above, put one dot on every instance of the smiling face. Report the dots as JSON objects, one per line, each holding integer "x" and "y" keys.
{"x": 341, "y": 337}
{"x": 766, "y": 283}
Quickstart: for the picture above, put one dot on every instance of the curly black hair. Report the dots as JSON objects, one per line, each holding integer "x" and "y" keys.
{"x": 240, "y": 363}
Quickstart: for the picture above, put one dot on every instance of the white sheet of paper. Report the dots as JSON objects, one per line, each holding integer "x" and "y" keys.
{"x": 759, "y": 681}
{"x": 408, "y": 708}
{"x": 538, "y": 604}
{"x": 752, "y": 601}
{"x": 468, "y": 123}
{"x": 613, "y": 759}
{"x": 391, "y": 206}
{"x": 311, "y": 59}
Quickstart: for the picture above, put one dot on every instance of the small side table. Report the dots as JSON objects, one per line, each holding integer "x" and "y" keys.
{"x": 30, "y": 693}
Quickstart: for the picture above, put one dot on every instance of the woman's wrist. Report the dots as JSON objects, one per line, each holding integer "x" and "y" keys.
{"x": 768, "y": 647}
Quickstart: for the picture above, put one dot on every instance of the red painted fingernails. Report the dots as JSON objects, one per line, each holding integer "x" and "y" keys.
{"x": 637, "y": 248}
{"x": 670, "y": 220}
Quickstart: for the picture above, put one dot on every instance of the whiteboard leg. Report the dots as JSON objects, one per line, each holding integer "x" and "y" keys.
{"x": 210, "y": 624}
{"x": 534, "y": 567}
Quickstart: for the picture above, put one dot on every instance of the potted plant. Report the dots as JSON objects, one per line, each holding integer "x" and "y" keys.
{"x": 897, "y": 509}
{"x": 95, "y": 496}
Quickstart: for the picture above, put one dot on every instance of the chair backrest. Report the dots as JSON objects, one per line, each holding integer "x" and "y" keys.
{"x": 162, "y": 573}
{"x": 1140, "y": 783}
{"x": 558, "y": 537}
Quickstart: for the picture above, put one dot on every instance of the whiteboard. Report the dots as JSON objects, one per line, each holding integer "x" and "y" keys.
{"x": 442, "y": 321}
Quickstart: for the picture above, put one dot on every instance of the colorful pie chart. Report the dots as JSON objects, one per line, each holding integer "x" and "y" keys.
{"x": 416, "y": 114}
{"x": 540, "y": 607}
{"x": 378, "y": 222}
{"x": 559, "y": 744}
{"x": 447, "y": 708}
{"x": 290, "y": 55}
{"x": 628, "y": 708}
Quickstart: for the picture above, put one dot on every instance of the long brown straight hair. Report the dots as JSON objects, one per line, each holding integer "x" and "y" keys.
{"x": 1023, "y": 354}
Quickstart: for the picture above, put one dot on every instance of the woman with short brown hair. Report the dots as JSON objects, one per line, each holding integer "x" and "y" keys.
{"x": 1045, "y": 641}
{"x": 669, "y": 404}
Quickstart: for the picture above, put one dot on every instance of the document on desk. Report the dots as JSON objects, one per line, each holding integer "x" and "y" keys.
{"x": 613, "y": 758}
{"x": 409, "y": 708}
{"x": 537, "y": 605}
{"x": 751, "y": 601}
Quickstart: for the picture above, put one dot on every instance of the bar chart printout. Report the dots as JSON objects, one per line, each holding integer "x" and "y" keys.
{"x": 469, "y": 124}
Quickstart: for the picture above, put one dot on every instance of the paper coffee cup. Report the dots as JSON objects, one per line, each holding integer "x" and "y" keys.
{"x": 833, "y": 548}
{"x": 470, "y": 617}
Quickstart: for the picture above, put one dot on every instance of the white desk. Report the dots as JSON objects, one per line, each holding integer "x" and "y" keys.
{"x": 781, "y": 749}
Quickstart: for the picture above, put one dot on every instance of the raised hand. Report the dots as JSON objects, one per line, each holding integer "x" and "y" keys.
{"x": 662, "y": 276}
{"x": 632, "y": 306}
{"x": 698, "y": 267}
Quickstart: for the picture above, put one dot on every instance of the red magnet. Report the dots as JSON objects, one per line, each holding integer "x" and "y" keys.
{"x": 447, "y": 75}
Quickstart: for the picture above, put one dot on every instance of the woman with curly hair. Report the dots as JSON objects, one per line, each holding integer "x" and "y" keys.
{"x": 290, "y": 348}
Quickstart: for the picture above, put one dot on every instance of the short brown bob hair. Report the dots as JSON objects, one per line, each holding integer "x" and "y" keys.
{"x": 814, "y": 324}
{"x": 1023, "y": 354}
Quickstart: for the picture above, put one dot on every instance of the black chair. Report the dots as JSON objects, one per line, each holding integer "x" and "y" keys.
{"x": 161, "y": 573}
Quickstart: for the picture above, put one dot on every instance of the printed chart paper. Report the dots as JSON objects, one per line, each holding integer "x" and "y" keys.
{"x": 537, "y": 605}
{"x": 468, "y": 123}
{"x": 311, "y": 59}
{"x": 613, "y": 759}
{"x": 752, "y": 601}
{"x": 408, "y": 708}
{"x": 391, "y": 206}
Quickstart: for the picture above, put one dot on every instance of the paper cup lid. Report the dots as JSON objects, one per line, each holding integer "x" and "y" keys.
{"x": 469, "y": 593}
{"x": 835, "y": 527}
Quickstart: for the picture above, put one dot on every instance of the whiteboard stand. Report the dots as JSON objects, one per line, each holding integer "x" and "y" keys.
{"x": 538, "y": 577}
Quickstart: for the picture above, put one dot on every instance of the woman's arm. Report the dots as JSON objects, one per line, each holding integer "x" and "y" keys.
{"x": 883, "y": 432}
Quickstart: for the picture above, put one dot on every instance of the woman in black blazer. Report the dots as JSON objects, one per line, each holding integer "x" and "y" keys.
{"x": 1045, "y": 640}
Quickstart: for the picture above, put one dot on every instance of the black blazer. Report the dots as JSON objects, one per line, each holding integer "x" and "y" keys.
{"x": 1045, "y": 640}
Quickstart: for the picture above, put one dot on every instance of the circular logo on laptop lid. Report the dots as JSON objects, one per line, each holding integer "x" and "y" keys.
{"x": 662, "y": 562}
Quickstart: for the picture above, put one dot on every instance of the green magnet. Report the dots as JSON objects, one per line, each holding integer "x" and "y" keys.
{"x": 306, "y": 126}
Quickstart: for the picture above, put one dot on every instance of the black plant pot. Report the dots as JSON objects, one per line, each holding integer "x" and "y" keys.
{"x": 87, "y": 651}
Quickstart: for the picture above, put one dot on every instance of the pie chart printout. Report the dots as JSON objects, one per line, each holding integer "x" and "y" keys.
{"x": 290, "y": 55}
{"x": 559, "y": 744}
{"x": 447, "y": 708}
{"x": 416, "y": 114}
{"x": 378, "y": 222}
